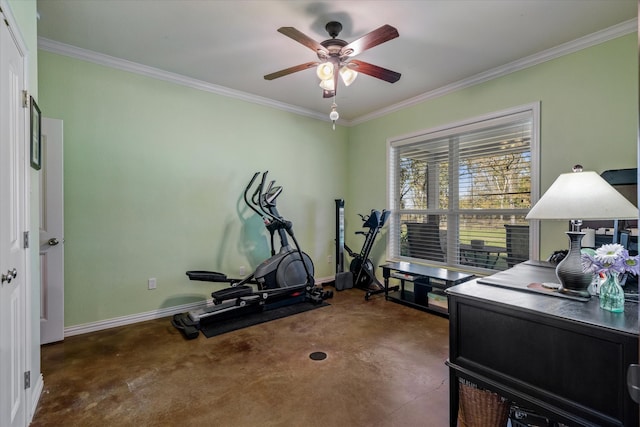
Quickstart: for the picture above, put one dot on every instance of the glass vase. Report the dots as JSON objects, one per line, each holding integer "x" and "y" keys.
{"x": 611, "y": 294}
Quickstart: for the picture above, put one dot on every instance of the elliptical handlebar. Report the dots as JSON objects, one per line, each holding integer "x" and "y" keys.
{"x": 258, "y": 200}
{"x": 261, "y": 196}
{"x": 246, "y": 191}
{"x": 255, "y": 202}
{"x": 257, "y": 195}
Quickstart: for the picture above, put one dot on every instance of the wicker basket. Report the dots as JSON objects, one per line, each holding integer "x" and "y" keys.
{"x": 481, "y": 408}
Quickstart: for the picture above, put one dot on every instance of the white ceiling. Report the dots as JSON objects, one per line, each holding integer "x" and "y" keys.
{"x": 229, "y": 45}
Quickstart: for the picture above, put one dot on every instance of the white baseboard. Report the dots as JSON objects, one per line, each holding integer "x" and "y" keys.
{"x": 100, "y": 325}
{"x": 133, "y": 318}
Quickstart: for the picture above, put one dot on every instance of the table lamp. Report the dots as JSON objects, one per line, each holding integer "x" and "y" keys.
{"x": 578, "y": 196}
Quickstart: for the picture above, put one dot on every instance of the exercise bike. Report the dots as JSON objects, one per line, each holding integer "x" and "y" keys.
{"x": 361, "y": 268}
{"x": 283, "y": 279}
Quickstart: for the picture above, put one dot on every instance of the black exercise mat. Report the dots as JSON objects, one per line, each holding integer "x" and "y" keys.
{"x": 218, "y": 328}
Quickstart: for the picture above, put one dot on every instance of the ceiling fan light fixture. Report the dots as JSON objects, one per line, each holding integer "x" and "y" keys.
{"x": 325, "y": 71}
{"x": 328, "y": 84}
{"x": 335, "y": 56}
{"x": 348, "y": 75}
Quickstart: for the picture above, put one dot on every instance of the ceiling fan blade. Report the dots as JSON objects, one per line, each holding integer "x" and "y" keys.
{"x": 302, "y": 38}
{"x": 374, "y": 38}
{"x": 290, "y": 70}
{"x": 374, "y": 71}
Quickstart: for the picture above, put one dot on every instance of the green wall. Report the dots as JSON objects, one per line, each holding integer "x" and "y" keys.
{"x": 154, "y": 171}
{"x": 588, "y": 110}
{"x": 154, "y": 175}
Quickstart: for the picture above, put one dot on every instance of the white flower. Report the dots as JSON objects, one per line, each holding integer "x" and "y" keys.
{"x": 608, "y": 254}
{"x": 608, "y": 259}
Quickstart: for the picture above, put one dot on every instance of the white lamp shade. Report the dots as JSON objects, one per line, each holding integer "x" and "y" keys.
{"x": 328, "y": 84}
{"x": 348, "y": 75}
{"x": 582, "y": 196}
{"x": 325, "y": 71}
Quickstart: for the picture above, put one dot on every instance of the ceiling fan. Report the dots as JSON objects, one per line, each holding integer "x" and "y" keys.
{"x": 334, "y": 57}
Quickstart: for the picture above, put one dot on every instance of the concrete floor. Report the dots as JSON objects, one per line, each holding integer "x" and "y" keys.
{"x": 385, "y": 367}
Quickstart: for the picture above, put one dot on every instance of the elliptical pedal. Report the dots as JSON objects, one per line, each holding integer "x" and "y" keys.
{"x": 186, "y": 325}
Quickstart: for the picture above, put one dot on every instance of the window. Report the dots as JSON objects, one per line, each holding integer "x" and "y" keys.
{"x": 459, "y": 194}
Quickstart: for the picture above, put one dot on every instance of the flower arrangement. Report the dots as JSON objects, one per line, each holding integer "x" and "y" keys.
{"x": 609, "y": 258}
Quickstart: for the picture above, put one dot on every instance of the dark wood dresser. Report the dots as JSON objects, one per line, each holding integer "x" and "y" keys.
{"x": 564, "y": 359}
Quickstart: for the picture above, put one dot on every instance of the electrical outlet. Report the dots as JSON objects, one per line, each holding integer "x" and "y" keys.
{"x": 242, "y": 270}
{"x": 152, "y": 283}
{"x": 329, "y": 259}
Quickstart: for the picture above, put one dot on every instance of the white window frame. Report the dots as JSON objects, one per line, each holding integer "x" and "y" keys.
{"x": 393, "y": 235}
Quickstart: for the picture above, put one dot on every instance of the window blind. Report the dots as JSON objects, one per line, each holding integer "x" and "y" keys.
{"x": 459, "y": 194}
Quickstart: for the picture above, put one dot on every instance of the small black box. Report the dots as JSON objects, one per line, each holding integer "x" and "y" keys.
{"x": 421, "y": 288}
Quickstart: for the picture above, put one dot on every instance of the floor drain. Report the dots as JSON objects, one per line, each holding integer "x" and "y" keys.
{"x": 318, "y": 355}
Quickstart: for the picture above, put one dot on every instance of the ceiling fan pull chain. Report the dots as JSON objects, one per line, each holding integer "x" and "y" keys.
{"x": 334, "y": 115}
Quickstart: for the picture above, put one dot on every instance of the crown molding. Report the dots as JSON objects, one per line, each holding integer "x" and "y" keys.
{"x": 156, "y": 73}
{"x": 7, "y": 16}
{"x": 598, "y": 37}
{"x": 622, "y": 29}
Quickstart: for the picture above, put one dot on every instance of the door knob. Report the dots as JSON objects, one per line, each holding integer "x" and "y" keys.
{"x": 53, "y": 241}
{"x": 11, "y": 274}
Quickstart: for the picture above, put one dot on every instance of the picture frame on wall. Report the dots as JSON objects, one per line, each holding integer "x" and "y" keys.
{"x": 36, "y": 136}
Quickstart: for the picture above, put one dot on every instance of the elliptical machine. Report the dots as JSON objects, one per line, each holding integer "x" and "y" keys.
{"x": 283, "y": 279}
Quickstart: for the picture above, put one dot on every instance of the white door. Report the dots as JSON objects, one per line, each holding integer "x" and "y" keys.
{"x": 51, "y": 234}
{"x": 12, "y": 226}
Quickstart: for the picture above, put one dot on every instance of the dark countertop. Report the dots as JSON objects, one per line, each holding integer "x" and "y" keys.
{"x": 588, "y": 312}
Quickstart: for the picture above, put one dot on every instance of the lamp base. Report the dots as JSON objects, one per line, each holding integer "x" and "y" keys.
{"x": 580, "y": 293}
{"x": 572, "y": 279}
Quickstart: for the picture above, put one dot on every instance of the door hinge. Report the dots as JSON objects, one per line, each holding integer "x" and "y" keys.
{"x": 25, "y": 99}
{"x": 27, "y": 380}
{"x": 25, "y": 237}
